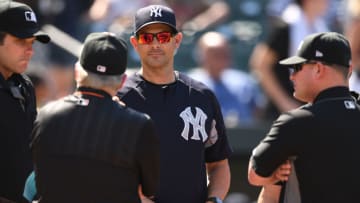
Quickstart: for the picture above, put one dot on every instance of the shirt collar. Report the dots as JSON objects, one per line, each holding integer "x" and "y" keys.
{"x": 92, "y": 92}
{"x": 333, "y": 92}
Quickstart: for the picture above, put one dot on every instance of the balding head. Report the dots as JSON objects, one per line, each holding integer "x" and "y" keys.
{"x": 214, "y": 53}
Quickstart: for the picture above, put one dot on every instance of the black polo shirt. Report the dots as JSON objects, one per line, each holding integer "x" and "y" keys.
{"x": 88, "y": 148}
{"x": 324, "y": 138}
{"x": 191, "y": 129}
{"x": 17, "y": 115}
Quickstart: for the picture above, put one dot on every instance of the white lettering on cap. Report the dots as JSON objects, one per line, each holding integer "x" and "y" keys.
{"x": 30, "y": 16}
{"x": 155, "y": 11}
{"x": 101, "y": 68}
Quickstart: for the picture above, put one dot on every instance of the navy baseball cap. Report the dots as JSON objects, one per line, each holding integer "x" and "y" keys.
{"x": 155, "y": 14}
{"x": 104, "y": 53}
{"x": 328, "y": 47}
{"x": 19, "y": 19}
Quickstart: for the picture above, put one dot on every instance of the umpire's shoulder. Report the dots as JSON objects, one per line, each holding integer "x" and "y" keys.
{"x": 53, "y": 108}
{"x": 137, "y": 114}
{"x": 300, "y": 114}
{"x": 133, "y": 119}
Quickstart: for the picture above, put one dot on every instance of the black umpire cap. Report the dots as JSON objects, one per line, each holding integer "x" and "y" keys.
{"x": 104, "y": 53}
{"x": 328, "y": 47}
{"x": 19, "y": 19}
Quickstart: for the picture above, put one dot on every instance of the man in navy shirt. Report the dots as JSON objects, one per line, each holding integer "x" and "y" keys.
{"x": 193, "y": 143}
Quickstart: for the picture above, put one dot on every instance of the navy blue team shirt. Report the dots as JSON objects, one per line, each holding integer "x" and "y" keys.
{"x": 184, "y": 113}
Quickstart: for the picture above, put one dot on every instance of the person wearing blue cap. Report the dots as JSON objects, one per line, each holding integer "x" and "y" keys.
{"x": 193, "y": 142}
{"x": 315, "y": 145}
{"x": 19, "y": 29}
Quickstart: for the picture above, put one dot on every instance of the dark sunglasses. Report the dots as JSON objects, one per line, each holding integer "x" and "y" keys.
{"x": 147, "y": 38}
{"x": 298, "y": 67}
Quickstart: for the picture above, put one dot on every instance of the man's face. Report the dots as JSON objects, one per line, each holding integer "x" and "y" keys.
{"x": 303, "y": 81}
{"x": 15, "y": 54}
{"x": 156, "y": 45}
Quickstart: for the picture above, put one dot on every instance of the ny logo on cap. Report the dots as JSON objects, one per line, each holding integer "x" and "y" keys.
{"x": 30, "y": 16}
{"x": 156, "y": 11}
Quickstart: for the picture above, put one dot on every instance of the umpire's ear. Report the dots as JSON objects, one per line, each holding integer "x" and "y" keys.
{"x": 77, "y": 71}
{"x": 351, "y": 67}
{"x": 123, "y": 79}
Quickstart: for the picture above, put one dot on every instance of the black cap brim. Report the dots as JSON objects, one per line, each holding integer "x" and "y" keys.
{"x": 293, "y": 60}
{"x": 39, "y": 35}
{"x": 42, "y": 37}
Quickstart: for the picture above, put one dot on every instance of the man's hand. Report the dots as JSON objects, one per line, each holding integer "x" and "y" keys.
{"x": 115, "y": 98}
{"x": 143, "y": 198}
{"x": 146, "y": 200}
{"x": 283, "y": 171}
{"x": 280, "y": 174}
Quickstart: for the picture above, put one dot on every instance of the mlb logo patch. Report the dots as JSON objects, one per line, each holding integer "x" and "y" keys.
{"x": 349, "y": 104}
{"x": 101, "y": 68}
{"x": 30, "y": 16}
{"x": 83, "y": 102}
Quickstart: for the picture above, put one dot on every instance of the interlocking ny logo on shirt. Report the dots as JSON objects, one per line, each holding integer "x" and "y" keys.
{"x": 197, "y": 122}
{"x": 155, "y": 11}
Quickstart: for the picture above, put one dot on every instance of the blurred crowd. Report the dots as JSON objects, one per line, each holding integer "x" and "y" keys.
{"x": 232, "y": 46}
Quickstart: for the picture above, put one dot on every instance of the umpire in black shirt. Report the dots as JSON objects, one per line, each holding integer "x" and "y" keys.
{"x": 88, "y": 147}
{"x": 321, "y": 137}
{"x": 19, "y": 30}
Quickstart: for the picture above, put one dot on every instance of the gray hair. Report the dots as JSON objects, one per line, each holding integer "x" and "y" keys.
{"x": 93, "y": 80}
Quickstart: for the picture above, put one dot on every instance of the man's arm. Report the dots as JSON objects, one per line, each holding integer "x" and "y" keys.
{"x": 280, "y": 174}
{"x": 143, "y": 198}
{"x": 148, "y": 159}
{"x": 219, "y": 178}
{"x": 269, "y": 194}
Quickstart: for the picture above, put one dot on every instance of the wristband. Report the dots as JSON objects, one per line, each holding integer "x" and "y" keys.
{"x": 214, "y": 200}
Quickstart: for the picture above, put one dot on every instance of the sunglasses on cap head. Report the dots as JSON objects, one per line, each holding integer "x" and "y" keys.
{"x": 147, "y": 38}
